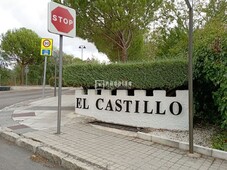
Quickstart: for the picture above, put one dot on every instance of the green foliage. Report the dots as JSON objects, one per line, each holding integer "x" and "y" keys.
{"x": 35, "y": 74}
{"x": 219, "y": 141}
{"x": 52, "y": 80}
{"x": 144, "y": 75}
{"x": 4, "y": 76}
{"x": 23, "y": 46}
{"x": 173, "y": 44}
{"x": 216, "y": 9}
{"x": 170, "y": 36}
{"x": 211, "y": 73}
{"x": 113, "y": 25}
{"x": 135, "y": 52}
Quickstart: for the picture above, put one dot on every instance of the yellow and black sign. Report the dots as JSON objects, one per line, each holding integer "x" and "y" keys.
{"x": 46, "y": 46}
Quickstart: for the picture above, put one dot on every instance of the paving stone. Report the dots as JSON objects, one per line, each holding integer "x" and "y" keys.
{"x": 83, "y": 146}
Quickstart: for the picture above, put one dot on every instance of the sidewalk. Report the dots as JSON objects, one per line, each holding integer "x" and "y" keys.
{"x": 83, "y": 145}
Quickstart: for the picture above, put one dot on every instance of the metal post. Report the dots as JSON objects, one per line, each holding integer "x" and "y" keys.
{"x": 26, "y": 77}
{"x": 59, "y": 85}
{"x": 190, "y": 74}
{"x": 44, "y": 75}
{"x": 55, "y": 74}
{"x": 0, "y": 79}
{"x": 55, "y": 55}
{"x": 190, "y": 82}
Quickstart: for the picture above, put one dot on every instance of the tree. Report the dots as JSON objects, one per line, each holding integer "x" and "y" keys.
{"x": 170, "y": 29}
{"x": 210, "y": 63}
{"x": 113, "y": 25}
{"x": 210, "y": 53}
{"x": 23, "y": 46}
{"x": 216, "y": 9}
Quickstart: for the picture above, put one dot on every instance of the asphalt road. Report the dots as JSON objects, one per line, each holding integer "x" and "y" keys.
{"x": 15, "y": 158}
{"x": 8, "y": 98}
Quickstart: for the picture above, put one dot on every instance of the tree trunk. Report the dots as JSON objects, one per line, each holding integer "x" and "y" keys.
{"x": 125, "y": 41}
{"x": 124, "y": 56}
{"x": 22, "y": 75}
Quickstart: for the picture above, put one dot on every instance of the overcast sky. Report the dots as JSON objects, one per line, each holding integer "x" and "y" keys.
{"x": 32, "y": 14}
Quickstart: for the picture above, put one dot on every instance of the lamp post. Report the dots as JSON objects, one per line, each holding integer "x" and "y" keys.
{"x": 190, "y": 73}
{"x": 82, "y": 47}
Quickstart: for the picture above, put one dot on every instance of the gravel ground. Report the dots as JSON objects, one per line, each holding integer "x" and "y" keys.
{"x": 201, "y": 135}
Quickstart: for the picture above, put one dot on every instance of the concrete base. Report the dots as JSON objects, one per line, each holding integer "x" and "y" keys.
{"x": 194, "y": 155}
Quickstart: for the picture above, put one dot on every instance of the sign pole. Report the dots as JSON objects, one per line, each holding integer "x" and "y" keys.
{"x": 55, "y": 55}
{"x": 26, "y": 77}
{"x": 44, "y": 76}
{"x": 55, "y": 75}
{"x": 190, "y": 80}
{"x": 26, "y": 74}
{"x": 46, "y": 50}
{"x": 60, "y": 84}
{"x": 190, "y": 74}
{"x": 62, "y": 21}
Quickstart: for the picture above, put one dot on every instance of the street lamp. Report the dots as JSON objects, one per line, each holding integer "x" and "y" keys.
{"x": 82, "y": 47}
{"x": 190, "y": 73}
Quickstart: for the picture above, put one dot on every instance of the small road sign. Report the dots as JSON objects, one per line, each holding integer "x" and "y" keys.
{"x": 61, "y": 20}
{"x": 46, "y": 52}
{"x": 46, "y": 46}
{"x": 46, "y": 43}
{"x": 26, "y": 70}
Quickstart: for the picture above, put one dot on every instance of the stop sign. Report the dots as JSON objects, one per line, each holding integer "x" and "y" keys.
{"x": 61, "y": 20}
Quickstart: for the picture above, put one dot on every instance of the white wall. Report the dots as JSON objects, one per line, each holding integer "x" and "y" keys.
{"x": 85, "y": 104}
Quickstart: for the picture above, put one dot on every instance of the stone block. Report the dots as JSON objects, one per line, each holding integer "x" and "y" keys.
{"x": 219, "y": 154}
{"x": 51, "y": 154}
{"x": 10, "y": 136}
{"x": 144, "y": 136}
{"x": 28, "y": 144}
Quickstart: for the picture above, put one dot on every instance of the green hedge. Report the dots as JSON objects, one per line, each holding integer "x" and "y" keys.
{"x": 166, "y": 74}
{"x": 51, "y": 82}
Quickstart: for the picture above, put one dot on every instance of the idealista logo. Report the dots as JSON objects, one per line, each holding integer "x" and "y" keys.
{"x": 103, "y": 84}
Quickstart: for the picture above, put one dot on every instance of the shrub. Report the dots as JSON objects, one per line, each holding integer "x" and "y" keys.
{"x": 51, "y": 82}
{"x": 211, "y": 74}
{"x": 167, "y": 74}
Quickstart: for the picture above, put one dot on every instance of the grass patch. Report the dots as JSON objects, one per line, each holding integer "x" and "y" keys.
{"x": 219, "y": 140}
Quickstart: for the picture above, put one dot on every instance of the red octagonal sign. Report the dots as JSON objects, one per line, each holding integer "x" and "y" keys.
{"x": 61, "y": 20}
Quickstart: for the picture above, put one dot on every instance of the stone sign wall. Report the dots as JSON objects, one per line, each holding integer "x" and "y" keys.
{"x": 139, "y": 110}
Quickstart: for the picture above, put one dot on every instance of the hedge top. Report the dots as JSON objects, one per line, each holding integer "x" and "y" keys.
{"x": 166, "y": 74}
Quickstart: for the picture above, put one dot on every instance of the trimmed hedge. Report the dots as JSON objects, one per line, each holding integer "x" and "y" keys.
{"x": 51, "y": 82}
{"x": 166, "y": 74}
